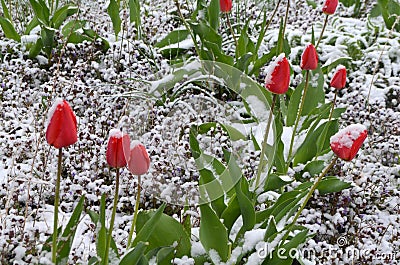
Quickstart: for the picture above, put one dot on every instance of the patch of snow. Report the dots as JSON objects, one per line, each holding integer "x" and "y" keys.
{"x": 348, "y": 135}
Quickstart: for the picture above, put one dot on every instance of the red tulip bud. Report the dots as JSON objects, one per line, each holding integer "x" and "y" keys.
{"x": 225, "y": 5}
{"x": 139, "y": 161}
{"x": 117, "y": 154}
{"x": 330, "y": 7}
{"x": 278, "y": 75}
{"x": 346, "y": 143}
{"x": 309, "y": 58}
{"x": 61, "y": 129}
{"x": 339, "y": 78}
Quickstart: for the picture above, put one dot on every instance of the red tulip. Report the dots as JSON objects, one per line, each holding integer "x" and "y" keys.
{"x": 61, "y": 129}
{"x": 330, "y": 7}
{"x": 339, "y": 78}
{"x": 278, "y": 76}
{"x": 225, "y": 6}
{"x": 139, "y": 161}
{"x": 117, "y": 149}
{"x": 346, "y": 143}
{"x": 309, "y": 58}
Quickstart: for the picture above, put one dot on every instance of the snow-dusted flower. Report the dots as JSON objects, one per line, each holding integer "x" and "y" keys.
{"x": 278, "y": 76}
{"x": 118, "y": 146}
{"x": 139, "y": 161}
{"x": 225, "y": 5}
{"x": 346, "y": 143}
{"x": 338, "y": 80}
{"x": 330, "y": 7}
{"x": 309, "y": 58}
{"x": 61, "y": 125}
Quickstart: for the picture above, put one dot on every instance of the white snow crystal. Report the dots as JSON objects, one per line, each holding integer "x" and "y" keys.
{"x": 58, "y": 101}
{"x": 271, "y": 67}
{"x": 348, "y": 135}
{"x": 134, "y": 143}
{"x": 115, "y": 133}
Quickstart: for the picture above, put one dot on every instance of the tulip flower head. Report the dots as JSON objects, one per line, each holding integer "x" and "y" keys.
{"x": 330, "y": 7}
{"x": 61, "y": 125}
{"x": 309, "y": 58}
{"x": 338, "y": 80}
{"x": 118, "y": 148}
{"x": 225, "y": 6}
{"x": 139, "y": 161}
{"x": 278, "y": 75}
{"x": 346, "y": 143}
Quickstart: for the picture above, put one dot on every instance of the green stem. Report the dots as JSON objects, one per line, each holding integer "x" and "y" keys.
{"x": 298, "y": 118}
{"x": 230, "y": 27}
{"x": 56, "y": 203}
{"x": 264, "y": 144}
{"x": 333, "y": 105}
{"x": 267, "y": 25}
{"x": 309, "y": 194}
{"x": 187, "y": 27}
{"x": 322, "y": 32}
{"x": 284, "y": 26}
{"x": 108, "y": 243}
{"x": 134, "y": 215}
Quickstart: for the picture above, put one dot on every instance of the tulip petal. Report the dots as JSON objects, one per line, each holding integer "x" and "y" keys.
{"x": 346, "y": 143}
{"x": 139, "y": 161}
{"x": 278, "y": 75}
{"x": 117, "y": 149}
{"x": 309, "y": 58}
{"x": 62, "y": 126}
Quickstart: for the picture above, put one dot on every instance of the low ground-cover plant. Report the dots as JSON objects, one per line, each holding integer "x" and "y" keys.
{"x": 233, "y": 209}
{"x": 50, "y": 18}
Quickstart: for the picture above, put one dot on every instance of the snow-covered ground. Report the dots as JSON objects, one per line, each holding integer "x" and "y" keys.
{"x": 110, "y": 90}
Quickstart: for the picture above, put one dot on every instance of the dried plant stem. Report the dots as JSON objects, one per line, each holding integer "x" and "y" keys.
{"x": 298, "y": 118}
{"x": 56, "y": 203}
{"x": 134, "y": 215}
{"x": 264, "y": 143}
{"x": 109, "y": 238}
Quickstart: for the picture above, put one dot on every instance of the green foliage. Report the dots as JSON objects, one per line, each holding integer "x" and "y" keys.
{"x": 213, "y": 14}
{"x": 113, "y": 12}
{"x": 356, "y": 6}
{"x": 332, "y": 184}
{"x": 6, "y": 12}
{"x": 99, "y": 219}
{"x": 165, "y": 232}
{"x": 75, "y": 31}
{"x": 9, "y": 30}
{"x": 67, "y": 236}
{"x": 390, "y": 11}
{"x": 134, "y": 15}
{"x": 207, "y": 30}
{"x": 226, "y": 196}
{"x": 213, "y": 234}
{"x": 49, "y": 24}
{"x": 148, "y": 228}
{"x": 135, "y": 255}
